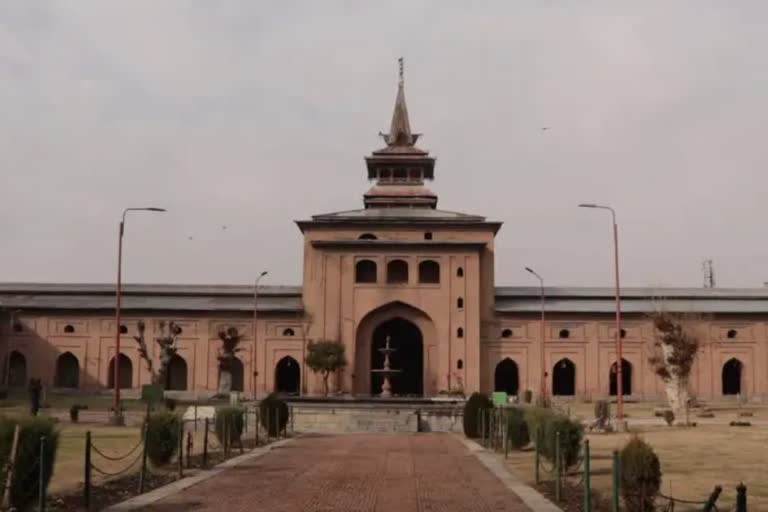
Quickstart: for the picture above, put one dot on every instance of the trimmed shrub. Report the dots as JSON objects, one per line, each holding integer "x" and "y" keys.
{"x": 528, "y": 396}
{"x": 476, "y": 403}
{"x": 571, "y": 434}
{"x": 269, "y": 408}
{"x": 27, "y": 480}
{"x": 229, "y": 420}
{"x": 517, "y": 428}
{"x": 669, "y": 417}
{"x": 163, "y": 431}
{"x": 640, "y": 476}
{"x": 536, "y": 417}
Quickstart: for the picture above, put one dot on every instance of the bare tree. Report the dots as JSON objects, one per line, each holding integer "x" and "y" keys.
{"x": 230, "y": 339}
{"x": 169, "y": 332}
{"x": 675, "y": 348}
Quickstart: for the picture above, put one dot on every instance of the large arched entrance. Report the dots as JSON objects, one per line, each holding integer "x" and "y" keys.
{"x": 126, "y": 372}
{"x": 506, "y": 378}
{"x": 564, "y": 378}
{"x": 287, "y": 376}
{"x": 626, "y": 378}
{"x": 176, "y": 377}
{"x": 17, "y": 370}
{"x": 732, "y": 377}
{"x": 408, "y": 357}
{"x": 67, "y": 371}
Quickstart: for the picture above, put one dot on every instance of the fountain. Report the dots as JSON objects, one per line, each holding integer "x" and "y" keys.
{"x": 386, "y": 371}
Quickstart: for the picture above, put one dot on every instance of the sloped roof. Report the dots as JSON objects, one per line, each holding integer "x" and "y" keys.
{"x": 399, "y": 213}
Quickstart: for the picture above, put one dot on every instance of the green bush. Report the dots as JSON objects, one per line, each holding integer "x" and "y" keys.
{"x": 517, "y": 428}
{"x": 472, "y": 408}
{"x": 27, "y": 480}
{"x": 640, "y": 476}
{"x": 536, "y": 417}
{"x": 229, "y": 420}
{"x": 546, "y": 423}
{"x": 528, "y": 396}
{"x": 269, "y": 408}
{"x": 163, "y": 431}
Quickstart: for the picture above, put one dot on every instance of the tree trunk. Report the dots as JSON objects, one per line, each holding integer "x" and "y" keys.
{"x": 225, "y": 382}
{"x": 676, "y": 388}
{"x": 325, "y": 383}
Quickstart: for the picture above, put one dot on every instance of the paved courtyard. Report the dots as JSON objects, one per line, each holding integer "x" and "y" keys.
{"x": 354, "y": 472}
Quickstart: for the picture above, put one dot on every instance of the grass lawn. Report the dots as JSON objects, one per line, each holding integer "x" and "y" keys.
{"x": 693, "y": 461}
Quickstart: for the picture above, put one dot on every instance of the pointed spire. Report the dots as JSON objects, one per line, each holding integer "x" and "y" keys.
{"x": 400, "y": 130}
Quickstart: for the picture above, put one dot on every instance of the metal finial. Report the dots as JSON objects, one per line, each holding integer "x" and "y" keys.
{"x": 401, "y": 65}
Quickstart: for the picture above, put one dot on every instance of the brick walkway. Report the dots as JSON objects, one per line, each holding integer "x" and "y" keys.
{"x": 354, "y": 473}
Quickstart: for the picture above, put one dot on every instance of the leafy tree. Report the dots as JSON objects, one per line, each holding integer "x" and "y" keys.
{"x": 325, "y": 357}
{"x": 169, "y": 333}
{"x": 230, "y": 339}
{"x": 675, "y": 350}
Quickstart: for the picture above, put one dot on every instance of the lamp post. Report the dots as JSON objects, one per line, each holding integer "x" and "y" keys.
{"x": 542, "y": 335}
{"x": 117, "y": 416}
{"x": 255, "y": 330}
{"x": 619, "y": 372}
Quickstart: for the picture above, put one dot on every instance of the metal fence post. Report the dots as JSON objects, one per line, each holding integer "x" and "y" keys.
{"x": 615, "y": 482}
{"x": 277, "y": 423}
{"x": 181, "y": 450}
{"x": 587, "y": 489}
{"x": 205, "y": 445}
{"x": 189, "y": 450}
{"x": 143, "y": 471}
{"x": 482, "y": 426}
{"x": 741, "y": 498}
{"x": 269, "y": 425}
{"x": 87, "y": 479}
{"x": 292, "y": 423}
{"x": 537, "y": 446}
{"x": 41, "y": 483}
{"x": 558, "y": 482}
{"x": 710, "y": 504}
{"x": 257, "y": 415}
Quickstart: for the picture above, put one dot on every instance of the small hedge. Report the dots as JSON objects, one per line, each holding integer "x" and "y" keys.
{"x": 472, "y": 408}
{"x": 229, "y": 420}
{"x": 269, "y": 408}
{"x": 517, "y": 428}
{"x": 163, "y": 431}
{"x": 26, "y": 482}
{"x": 546, "y": 423}
{"x": 640, "y": 476}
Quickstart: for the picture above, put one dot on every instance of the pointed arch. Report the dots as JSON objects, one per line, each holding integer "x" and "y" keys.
{"x": 564, "y": 378}
{"x": 365, "y": 271}
{"x": 126, "y": 372}
{"x": 732, "y": 376}
{"x": 176, "y": 377}
{"x": 67, "y": 371}
{"x": 506, "y": 377}
{"x": 288, "y": 376}
{"x": 17, "y": 370}
{"x": 626, "y": 378}
{"x": 429, "y": 272}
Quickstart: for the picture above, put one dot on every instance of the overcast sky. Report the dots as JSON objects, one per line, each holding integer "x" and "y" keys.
{"x": 252, "y": 114}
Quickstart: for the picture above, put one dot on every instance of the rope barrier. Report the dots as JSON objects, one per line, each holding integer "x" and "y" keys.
{"x": 117, "y": 458}
{"x": 117, "y": 473}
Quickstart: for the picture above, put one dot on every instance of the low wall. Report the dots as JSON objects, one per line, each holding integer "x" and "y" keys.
{"x": 366, "y": 418}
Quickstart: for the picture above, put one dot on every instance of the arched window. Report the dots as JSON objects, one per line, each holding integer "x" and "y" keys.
{"x": 732, "y": 374}
{"x": 622, "y": 333}
{"x": 69, "y": 329}
{"x": 365, "y": 271}
{"x": 428, "y": 236}
{"x": 17, "y": 370}
{"x": 288, "y": 332}
{"x": 429, "y": 271}
{"x": 397, "y": 272}
{"x": 564, "y": 378}
{"x": 287, "y": 376}
{"x": 176, "y": 377}
{"x": 506, "y": 377}
{"x": 460, "y": 364}
{"x": 367, "y": 236}
{"x": 732, "y": 333}
{"x": 126, "y": 372}
{"x": 123, "y": 329}
{"x": 565, "y": 334}
{"x": 460, "y": 272}
{"x": 460, "y": 332}
{"x": 506, "y": 333}
{"x": 460, "y": 303}
{"x": 67, "y": 371}
{"x": 626, "y": 378}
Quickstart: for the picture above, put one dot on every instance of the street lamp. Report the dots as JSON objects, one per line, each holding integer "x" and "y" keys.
{"x": 542, "y": 335}
{"x": 255, "y": 330}
{"x": 619, "y": 372}
{"x": 117, "y": 416}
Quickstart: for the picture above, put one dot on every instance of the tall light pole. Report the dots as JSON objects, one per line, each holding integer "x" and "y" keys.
{"x": 542, "y": 336}
{"x": 117, "y": 416}
{"x": 619, "y": 372}
{"x": 255, "y": 330}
